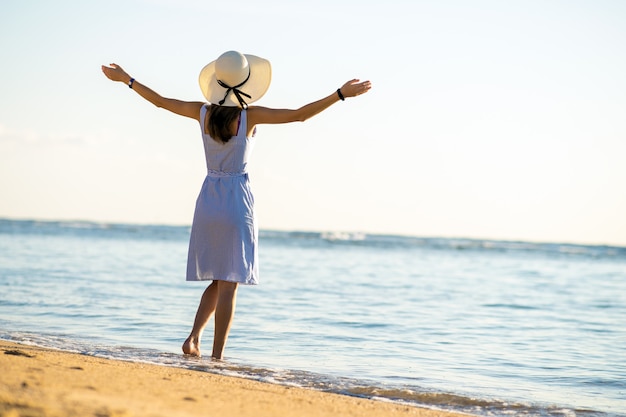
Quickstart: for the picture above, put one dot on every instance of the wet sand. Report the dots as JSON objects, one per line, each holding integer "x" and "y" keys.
{"x": 42, "y": 382}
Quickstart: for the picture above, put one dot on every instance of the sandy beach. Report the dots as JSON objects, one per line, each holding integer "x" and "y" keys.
{"x": 42, "y": 382}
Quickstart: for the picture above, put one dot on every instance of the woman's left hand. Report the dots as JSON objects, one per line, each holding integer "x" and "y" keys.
{"x": 355, "y": 88}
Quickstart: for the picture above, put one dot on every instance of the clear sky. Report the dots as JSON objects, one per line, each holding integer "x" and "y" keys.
{"x": 487, "y": 119}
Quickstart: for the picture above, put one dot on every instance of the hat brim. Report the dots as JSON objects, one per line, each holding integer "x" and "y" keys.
{"x": 255, "y": 87}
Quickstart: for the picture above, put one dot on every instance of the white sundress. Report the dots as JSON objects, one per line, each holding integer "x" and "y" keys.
{"x": 224, "y": 233}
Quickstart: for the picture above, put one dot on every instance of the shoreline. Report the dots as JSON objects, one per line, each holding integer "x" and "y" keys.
{"x": 44, "y": 382}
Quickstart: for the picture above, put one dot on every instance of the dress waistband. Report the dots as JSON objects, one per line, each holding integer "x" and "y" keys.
{"x": 224, "y": 174}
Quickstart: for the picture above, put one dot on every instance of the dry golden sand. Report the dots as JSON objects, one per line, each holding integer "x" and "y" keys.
{"x": 38, "y": 382}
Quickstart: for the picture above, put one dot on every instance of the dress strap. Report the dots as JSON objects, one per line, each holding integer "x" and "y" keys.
{"x": 203, "y": 111}
{"x": 243, "y": 124}
{"x": 242, "y": 129}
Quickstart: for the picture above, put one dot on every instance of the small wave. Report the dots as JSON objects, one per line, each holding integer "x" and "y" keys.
{"x": 454, "y": 244}
{"x": 90, "y": 229}
{"x": 343, "y": 236}
{"x": 466, "y": 403}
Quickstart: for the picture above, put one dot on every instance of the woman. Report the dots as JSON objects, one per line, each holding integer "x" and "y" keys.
{"x": 224, "y": 234}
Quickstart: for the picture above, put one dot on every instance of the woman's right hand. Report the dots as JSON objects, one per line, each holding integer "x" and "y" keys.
{"x": 116, "y": 73}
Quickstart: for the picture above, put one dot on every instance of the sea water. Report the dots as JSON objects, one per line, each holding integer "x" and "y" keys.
{"x": 489, "y": 328}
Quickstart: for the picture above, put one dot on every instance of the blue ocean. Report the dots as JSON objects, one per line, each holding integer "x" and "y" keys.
{"x": 489, "y": 328}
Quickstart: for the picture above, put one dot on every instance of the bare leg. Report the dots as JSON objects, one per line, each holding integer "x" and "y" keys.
{"x": 224, "y": 313}
{"x": 207, "y": 306}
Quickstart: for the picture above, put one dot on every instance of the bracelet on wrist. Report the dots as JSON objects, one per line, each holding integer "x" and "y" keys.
{"x": 341, "y": 97}
{"x": 130, "y": 83}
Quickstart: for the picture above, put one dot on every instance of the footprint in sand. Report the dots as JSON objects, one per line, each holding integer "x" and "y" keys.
{"x": 18, "y": 353}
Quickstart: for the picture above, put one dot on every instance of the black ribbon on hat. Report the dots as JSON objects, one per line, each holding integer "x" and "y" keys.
{"x": 236, "y": 90}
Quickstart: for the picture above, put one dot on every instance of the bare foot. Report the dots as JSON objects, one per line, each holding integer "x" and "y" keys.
{"x": 191, "y": 347}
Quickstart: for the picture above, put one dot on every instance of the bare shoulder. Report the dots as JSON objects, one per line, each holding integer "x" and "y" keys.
{"x": 258, "y": 115}
{"x": 255, "y": 115}
{"x": 256, "y": 111}
{"x": 193, "y": 109}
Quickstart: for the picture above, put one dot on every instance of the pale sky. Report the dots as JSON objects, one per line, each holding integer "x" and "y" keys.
{"x": 487, "y": 119}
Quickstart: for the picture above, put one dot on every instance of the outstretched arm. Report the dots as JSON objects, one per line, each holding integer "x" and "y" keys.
{"x": 184, "y": 108}
{"x": 263, "y": 115}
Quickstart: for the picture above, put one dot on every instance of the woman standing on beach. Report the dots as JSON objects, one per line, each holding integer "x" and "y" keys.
{"x": 224, "y": 233}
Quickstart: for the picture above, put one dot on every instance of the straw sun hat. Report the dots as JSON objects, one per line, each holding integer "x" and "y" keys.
{"x": 235, "y": 79}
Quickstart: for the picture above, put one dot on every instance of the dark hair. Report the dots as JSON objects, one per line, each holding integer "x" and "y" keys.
{"x": 221, "y": 119}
